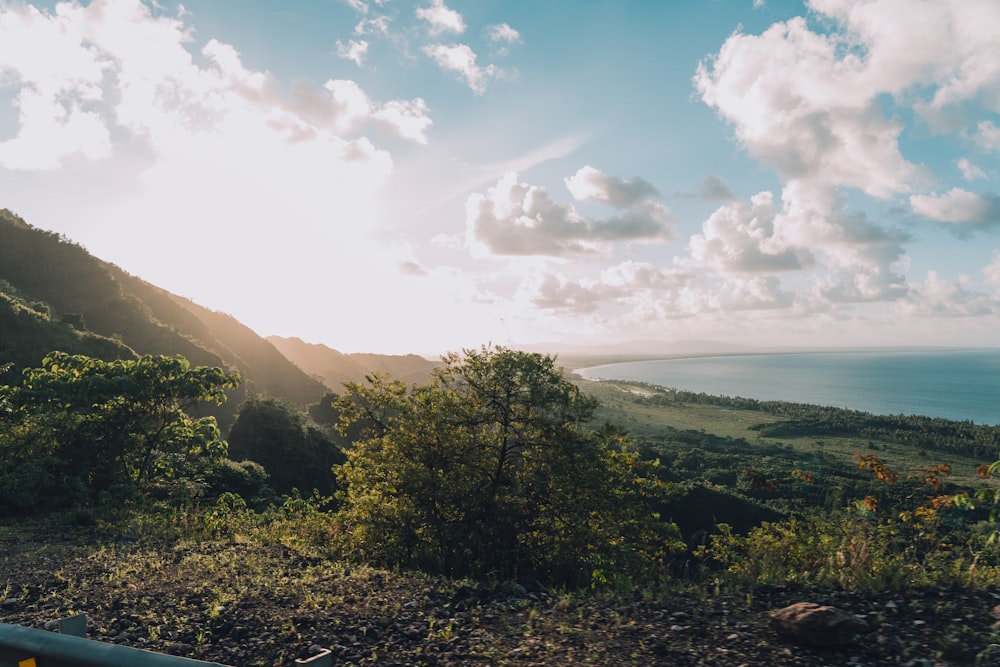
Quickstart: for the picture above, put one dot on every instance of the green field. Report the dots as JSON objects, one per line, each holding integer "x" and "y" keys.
{"x": 622, "y": 404}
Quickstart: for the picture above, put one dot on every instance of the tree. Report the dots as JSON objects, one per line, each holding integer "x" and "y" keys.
{"x": 112, "y": 427}
{"x": 490, "y": 469}
{"x": 295, "y": 453}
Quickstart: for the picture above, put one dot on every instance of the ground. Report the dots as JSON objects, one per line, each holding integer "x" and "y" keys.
{"x": 247, "y": 604}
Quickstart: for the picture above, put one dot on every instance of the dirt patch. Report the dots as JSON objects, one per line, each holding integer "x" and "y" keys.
{"x": 243, "y": 604}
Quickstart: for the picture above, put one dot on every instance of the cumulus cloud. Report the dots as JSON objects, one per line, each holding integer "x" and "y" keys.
{"x": 643, "y": 275}
{"x": 754, "y": 293}
{"x": 502, "y": 36}
{"x": 376, "y": 25}
{"x": 813, "y": 104}
{"x": 354, "y": 50}
{"x": 113, "y": 66}
{"x": 591, "y": 183}
{"x": 461, "y": 60}
{"x": 988, "y": 136}
{"x": 937, "y": 297}
{"x": 797, "y": 102}
{"x": 502, "y": 33}
{"x": 742, "y": 239}
{"x": 256, "y": 169}
{"x": 872, "y": 283}
{"x": 51, "y": 131}
{"x": 970, "y": 171}
{"x": 942, "y": 55}
{"x": 992, "y": 271}
{"x": 440, "y": 18}
{"x": 714, "y": 188}
{"x": 554, "y": 293}
{"x": 963, "y": 209}
{"x": 514, "y": 218}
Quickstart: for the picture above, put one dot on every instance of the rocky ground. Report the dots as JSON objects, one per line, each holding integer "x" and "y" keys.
{"x": 238, "y": 604}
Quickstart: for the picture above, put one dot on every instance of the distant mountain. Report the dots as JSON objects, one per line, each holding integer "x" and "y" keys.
{"x": 335, "y": 368}
{"x": 54, "y": 295}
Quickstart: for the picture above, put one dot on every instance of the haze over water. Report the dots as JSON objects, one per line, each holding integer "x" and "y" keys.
{"x": 952, "y": 384}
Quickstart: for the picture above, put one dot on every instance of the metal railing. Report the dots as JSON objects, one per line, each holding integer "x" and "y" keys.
{"x": 30, "y": 647}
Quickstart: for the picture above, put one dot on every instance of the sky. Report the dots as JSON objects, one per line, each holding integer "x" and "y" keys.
{"x": 400, "y": 176}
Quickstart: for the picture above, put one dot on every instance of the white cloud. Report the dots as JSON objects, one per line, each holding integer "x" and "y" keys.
{"x": 355, "y": 51}
{"x": 514, "y": 218}
{"x": 960, "y": 207}
{"x": 502, "y": 33}
{"x": 937, "y": 297}
{"x": 257, "y": 188}
{"x": 992, "y": 271}
{"x": 754, "y": 293}
{"x": 378, "y": 25}
{"x": 591, "y": 183}
{"x": 51, "y": 131}
{"x": 970, "y": 171}
{"x": 462, "y": 60}
{"x": 943, "y": 54}
{"x": 826, "y": 108}
{"x": 441, "y": 19}
{"x": 555, "y": 293}
{"x": 799, "y": 104}
{"x": 502, "y": 36}
{"x": 742, "y": 239}
{"x": 714, "y": 188}
{"x": 642, "y": 275}
{"x": 359, "y": 6}
{"x": 988, "y": 136}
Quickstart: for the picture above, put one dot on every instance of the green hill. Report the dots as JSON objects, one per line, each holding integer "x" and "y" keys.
{"x": 54, "y": 295}
{"x": 335, "y": 368}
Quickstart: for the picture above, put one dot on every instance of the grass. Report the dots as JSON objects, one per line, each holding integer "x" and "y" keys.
{"x": 618, "y": 406}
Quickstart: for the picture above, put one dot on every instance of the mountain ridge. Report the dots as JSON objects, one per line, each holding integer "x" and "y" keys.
{"x": 55, "y": 295}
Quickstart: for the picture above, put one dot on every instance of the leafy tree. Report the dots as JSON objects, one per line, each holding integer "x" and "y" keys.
{"x": 294, "y": 452}
{"x": 110, "y": 427}
{"x": 490, "y": 470}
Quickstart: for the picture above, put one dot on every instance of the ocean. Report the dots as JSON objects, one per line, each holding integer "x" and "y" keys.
{"x": 952, "y": 384}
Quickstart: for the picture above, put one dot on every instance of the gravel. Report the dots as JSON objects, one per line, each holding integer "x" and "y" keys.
{"x": 246, "y": 605}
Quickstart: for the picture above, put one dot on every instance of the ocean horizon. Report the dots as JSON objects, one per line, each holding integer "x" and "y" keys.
{"x": 956, "y": 384}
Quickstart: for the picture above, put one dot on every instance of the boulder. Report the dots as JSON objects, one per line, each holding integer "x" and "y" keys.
{"x": 816, "y": 625}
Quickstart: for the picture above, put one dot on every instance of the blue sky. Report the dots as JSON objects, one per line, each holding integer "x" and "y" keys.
{"x": 398, "y": 176}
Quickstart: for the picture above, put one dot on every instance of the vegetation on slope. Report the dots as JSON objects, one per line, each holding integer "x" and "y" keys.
{"x": 51, "y": 287}
{"x": 500, "y": 470}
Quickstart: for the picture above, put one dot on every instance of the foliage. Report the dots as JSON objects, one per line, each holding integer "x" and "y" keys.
{"x": 913, "y": 534}
{"x": 490, "y": 470}
{"x": 917, "y": 431}
{"x": 105, "y": 430}
{"x": 296, "y": 453}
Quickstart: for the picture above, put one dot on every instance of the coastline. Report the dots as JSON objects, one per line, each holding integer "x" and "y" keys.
{"x": 957, "y": 384}
{"x": 576, "y": 362}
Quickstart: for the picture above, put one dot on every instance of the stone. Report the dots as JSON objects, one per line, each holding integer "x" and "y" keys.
{"x": 816, "y": 625}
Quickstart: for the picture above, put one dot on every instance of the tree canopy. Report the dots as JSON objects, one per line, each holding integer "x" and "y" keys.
{"x": 491, "y": 469}
{"x": 296, "y": 453}
{"x": 79, "y": 429}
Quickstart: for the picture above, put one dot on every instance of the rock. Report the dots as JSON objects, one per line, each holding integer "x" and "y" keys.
{"x": 816, "y": 625}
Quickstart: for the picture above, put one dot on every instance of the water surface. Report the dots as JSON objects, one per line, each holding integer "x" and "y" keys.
{"x": 953, "y": 384}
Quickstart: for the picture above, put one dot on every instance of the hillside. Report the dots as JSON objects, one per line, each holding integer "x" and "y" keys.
{"x": 56, "y": 295}
{"x": 335, "y": 368}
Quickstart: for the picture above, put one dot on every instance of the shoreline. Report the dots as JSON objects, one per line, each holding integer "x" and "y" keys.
{"x": 583, "y": 362}
{"x": 850, "y": 390}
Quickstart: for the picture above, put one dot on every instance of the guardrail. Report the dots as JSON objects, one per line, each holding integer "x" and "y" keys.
{"x": 30, "y": 647}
